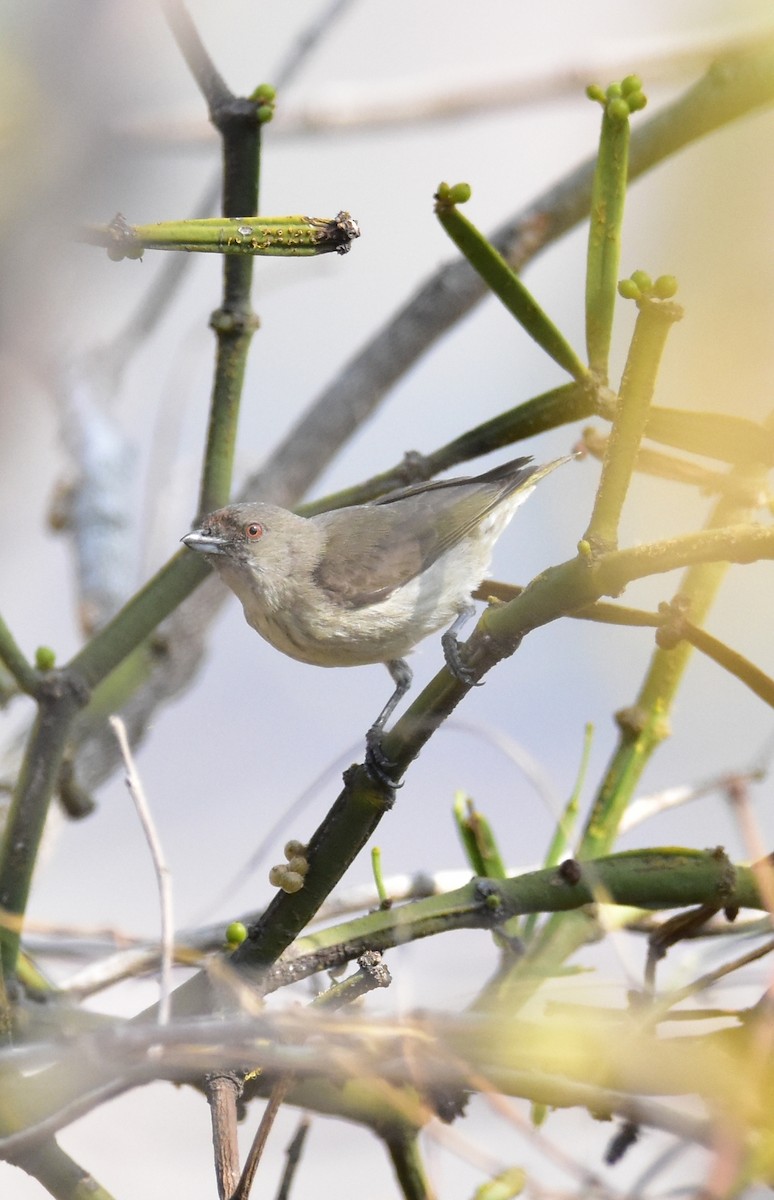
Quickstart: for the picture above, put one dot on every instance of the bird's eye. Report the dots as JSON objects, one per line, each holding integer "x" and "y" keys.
{"x": 253, "y": 531}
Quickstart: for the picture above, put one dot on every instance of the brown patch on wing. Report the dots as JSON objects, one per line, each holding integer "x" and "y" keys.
{"x": 368, "y": 554}
{"x": 372, "y": 550}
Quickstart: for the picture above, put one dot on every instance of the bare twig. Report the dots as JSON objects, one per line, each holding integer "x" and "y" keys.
{"x": 360, "y": 107}
{"x": 163, "y": 876}
{"x": 372, "y": 973}
{"x": 223, "y": 1089}
{"x": 191, "y": 46}
{"x": 278, "y": 1094}
{"x": 644, "y": 808}
{"x": 317, "y": 29}
{"x": 293, "y": 1157}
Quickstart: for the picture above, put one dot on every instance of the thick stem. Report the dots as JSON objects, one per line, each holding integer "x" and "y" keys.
{"x": 60, "y": 699}
{"x": 234, "y": 322}
{"x": 654, "y": 321}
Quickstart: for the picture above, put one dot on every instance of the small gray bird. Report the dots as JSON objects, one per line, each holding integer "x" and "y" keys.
{"x": 365, "y": 584}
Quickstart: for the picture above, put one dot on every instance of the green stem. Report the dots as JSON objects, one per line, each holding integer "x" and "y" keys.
{"x": 345, "y": 829}
{"x": 659, "y": 878}
{"x": 234, "y": 322}
{"x": 735, "y": 664}
{"x": 643, "y": 727}
{"x": 60, "y": 1175}
{"x": 23, "y": 672}
{"x": 403, "y": 1149}
{"x": 507, "y": 286}
{"x": 728, "y": 438}
{"x": 618, "y": 614}
{"x": 293, "y": 236}
{"x": 478, "y": 839}
{"x": 60, "y": 699}
{"x": 561, "y": 405}
{"x": 139, "y": 617}
{"x": 646, "y": 725}
{"x": 654, "y": 321}
{"x": 604, "y": 249}
{"x": 562, "y": 838}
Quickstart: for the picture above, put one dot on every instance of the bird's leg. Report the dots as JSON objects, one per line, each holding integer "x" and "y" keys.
{"x": 451, "y": 648}
{"x": 376, "y": 761}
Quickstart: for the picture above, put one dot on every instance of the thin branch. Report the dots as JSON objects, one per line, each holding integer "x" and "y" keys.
{"x": 655, "y": 878}
{"x": 11, "y": 654}
{"x": 293, "y": 1157}
{"x": 359, "y": 107}
{"x": 316, "y": 31}
{"x": 192, "y": 48}
{"x": 163, "y": 876}
{"x": 278, "y": 1093}
{"x": 223, "y": 1089}
{"x": 372, "y": 974}
{"x": 60, "y": 696}
{"x": 61, "y": 1175}
{"x": 672, "y": 627}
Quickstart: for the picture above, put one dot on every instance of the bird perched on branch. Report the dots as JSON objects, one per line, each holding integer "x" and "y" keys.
{"x": 365, "y": 584}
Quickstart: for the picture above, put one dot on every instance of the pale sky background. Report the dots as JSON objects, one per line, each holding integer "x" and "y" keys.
{"x": 226, "y": 759}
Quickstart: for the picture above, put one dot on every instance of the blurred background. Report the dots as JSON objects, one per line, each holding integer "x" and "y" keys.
{"x": 99, "y": 114}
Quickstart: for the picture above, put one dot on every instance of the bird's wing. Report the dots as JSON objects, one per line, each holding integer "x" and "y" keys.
{"x": 372, "y": 550}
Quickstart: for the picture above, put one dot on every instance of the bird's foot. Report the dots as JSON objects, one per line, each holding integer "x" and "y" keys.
{"x": 452, "y": 653}
{"x": 379, "y": 766}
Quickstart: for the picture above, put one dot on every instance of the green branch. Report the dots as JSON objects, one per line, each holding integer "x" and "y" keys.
{"x": 660, "y": 878}
{"x": 501, "y": 279}
{"x": 10, "y": 653}
{"x": 245, "y": 236}
{"x": 608, "y": 195}
{"x": 59, "y": 701}
{"x": 654, "y": 321}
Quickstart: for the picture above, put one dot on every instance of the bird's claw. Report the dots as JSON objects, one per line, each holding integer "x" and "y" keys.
{"x": 453, "y": 654}
{"x": 377, "y": 764}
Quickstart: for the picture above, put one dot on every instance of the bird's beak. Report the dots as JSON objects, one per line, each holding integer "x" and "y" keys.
{"x": 205, "y": 543}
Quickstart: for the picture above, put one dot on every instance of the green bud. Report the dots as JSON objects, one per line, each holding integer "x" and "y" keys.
{"x": 614, "y": 91}
{"x": 636, "y": 101}
{"x": 584, "y": 548}
{"x": 628, "y": 289}
{"x": 236, "y": 933}
{"x": 135, "y": 252}
{"x": 665, "y": 287}
{"x": 504, "y": 1186}
{"x": 264, "y": 92}
{"x": 45, "y": 658}
{"x": 460, "y": 193}
{"x": 265, "y": 114}
{"x": 617, "y": 109}
{"x": 442, "y": 191}
{"x": 643, "y": 281}
{"x": 595, "y": 92}
{"x": 632, "y": 83}
{"x": 538, "y": 1114}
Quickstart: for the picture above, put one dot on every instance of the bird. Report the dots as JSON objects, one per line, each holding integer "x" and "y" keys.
{"x": 366, "y": 583}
